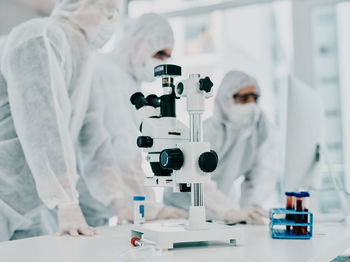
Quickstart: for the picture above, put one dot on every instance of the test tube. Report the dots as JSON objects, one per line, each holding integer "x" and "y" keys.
{"x": 306, "y": 197}
{"x": 298, "y": 206}
{"x": 139, "y": 210}
{"x": 289, "y": 206}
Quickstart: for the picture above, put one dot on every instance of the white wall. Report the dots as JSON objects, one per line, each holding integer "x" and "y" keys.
{"x": 343, "y": 21}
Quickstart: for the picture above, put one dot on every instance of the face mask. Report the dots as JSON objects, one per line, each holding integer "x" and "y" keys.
{"x": 244, "y": 115}
{"x": 148, "y": 69}
{"x": 98, "y": 37}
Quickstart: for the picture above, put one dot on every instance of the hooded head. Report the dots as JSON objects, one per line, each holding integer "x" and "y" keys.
{"x": 95, "y": 18}
{"x": 144, "y": 37}
{"x": 225, "y": 108}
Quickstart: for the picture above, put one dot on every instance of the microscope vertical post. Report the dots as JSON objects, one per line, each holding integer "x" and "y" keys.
{"x": 195, "y": 108}
{"x": 196, "y": 135}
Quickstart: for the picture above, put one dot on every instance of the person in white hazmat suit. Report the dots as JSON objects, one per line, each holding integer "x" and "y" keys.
{"x": 243, "y": 138}
{"x": 47, "y": 119}
{"x": 2, "y": 43}
{"x": 148, "y": 42}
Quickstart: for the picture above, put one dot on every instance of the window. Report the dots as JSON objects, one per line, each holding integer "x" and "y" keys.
{"x": 330, "y": 63}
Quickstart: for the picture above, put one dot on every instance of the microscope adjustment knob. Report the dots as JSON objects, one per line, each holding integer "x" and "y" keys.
{"x": 180, "y": 88}
{"x": 144, "y": 141}
{"x": 205, "y": 84}
{"x": 208, "y": 161}
{"x": 171, "y": 159}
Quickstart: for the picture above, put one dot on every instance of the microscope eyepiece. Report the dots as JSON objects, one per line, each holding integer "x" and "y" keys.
{"x": 153, "y": 100}
{"x": 138, "y": 100}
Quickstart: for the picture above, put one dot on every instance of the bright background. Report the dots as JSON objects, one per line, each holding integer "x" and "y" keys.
{"x": 268, "y": 39}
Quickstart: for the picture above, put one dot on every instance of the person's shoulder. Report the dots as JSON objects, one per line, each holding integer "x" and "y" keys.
{"x": 104, "y": 65}
{"x": 108, "y": 71}
{"x": 123, "y": 75}
{"x": 34, "y": 29}
{"x": 210, "y": 122}
{"x": 264, "y": 127}
{"x": 212, "y": 127}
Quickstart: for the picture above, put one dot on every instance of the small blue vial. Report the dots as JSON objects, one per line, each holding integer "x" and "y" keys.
{"x": 139, "y": 210}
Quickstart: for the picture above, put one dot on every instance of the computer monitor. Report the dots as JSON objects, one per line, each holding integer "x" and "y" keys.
{"x": 305, "y": 146}
{"x": 304, "y": 137}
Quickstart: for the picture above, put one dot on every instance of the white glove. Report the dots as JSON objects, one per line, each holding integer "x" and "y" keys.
{"x": 71, "y": 220}
{"x": 250, "y": 215}
{"x": 123, "y": 211}
{"x": 168, "y": 212}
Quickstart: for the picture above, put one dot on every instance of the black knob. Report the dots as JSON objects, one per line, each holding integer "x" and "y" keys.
{"x": 208, "y": 161}
{"x": 205, "y": 84}
{"x": 180, "y": 88}
{"x": 144, "y": 141}
{"x": 171, "y": 159}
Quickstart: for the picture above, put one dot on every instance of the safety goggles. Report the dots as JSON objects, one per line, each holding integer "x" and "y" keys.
{"x": 163, "y": 55}
{"x": 244, "y": 98}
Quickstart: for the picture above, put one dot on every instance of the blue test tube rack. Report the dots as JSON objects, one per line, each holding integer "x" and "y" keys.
{"x": 278, "y": 224}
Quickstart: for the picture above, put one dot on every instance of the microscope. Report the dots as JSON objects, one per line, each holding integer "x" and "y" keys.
{"x": 178, "y": 156}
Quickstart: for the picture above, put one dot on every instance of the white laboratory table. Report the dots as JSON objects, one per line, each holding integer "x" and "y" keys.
{"x": 253, "y": 244}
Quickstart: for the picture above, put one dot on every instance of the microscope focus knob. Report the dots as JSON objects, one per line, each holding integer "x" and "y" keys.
{"x": 180, "y": 88}
{"x": 208, "y": 161}
{"x": 171, "y": 159}
{"x": 144, "y": 141}
{"x": 205, "y": 84}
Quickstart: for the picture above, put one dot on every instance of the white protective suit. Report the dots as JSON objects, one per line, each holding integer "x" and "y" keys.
{"x": 248, "y": 152}
{"x": 120, "y": 75}
{"x": 2, "y": 43}
{"x": 46, "y": 119}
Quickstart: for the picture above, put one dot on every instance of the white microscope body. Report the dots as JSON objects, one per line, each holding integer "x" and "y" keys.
{"x": 178, "y": 157}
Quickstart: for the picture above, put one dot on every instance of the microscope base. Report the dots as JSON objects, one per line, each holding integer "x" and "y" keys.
{"x": 165, "y": 235}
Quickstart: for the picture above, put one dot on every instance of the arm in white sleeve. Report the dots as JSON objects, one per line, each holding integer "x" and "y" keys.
{"x": 36, "y": 88}
{"x": 97, "y": 161}
{"x": 260, "y": 182}
{"x": 216, "y": 202}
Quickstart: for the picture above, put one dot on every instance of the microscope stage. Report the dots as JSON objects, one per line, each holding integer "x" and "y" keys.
{"x": 166, "y": 234}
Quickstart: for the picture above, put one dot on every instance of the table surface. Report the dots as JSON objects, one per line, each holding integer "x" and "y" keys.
{"x": 253, "y": 244}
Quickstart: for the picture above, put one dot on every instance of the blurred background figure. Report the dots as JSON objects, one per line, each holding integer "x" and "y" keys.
{"x": 244, "y": 140}
{"x": 47, "y": 119}
{"x": 2, "y": 43}
{"x": 242, "y": 137}
{"x": 148, "y": 41}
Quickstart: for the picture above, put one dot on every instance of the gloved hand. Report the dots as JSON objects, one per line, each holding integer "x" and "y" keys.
{"x": 71, "y": 220}
{"x": 123, "y": 211}
{"x": 169, "y": 212}
{"x": 250, "y": 215}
